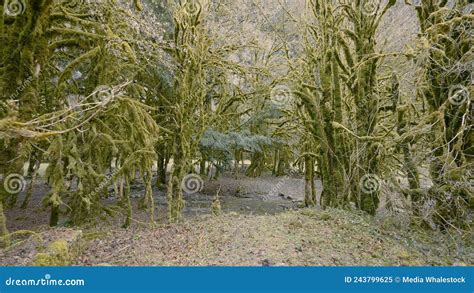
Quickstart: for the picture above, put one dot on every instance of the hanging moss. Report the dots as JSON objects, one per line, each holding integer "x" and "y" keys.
{"x": 446, "y": 88}
{"x": 346, "y": 63}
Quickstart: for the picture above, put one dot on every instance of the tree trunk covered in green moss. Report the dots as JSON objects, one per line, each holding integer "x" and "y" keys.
{"x": 161, "y": 165}
{"x": 446, "y": 84}
{"x": 309, "y": 188}
{"x": 150, "y": 202}
{"x": 54, "y": 215}
{"x": 276, "y": 160}
{"x": 257, "y": 165}
{"x": 175, "y": 192}
{"x": 400, "y": 111}
{"x": 238, "y": 161}
{"x": 126, "y": 202}
{"x": 367, "y": 107}
{"x": 448, "y": 88}
{"x": 4, "y": 234}
{"x": 344, "y": 68}
{"x": 324, "y": 105}
{"x": 22, "y": 56}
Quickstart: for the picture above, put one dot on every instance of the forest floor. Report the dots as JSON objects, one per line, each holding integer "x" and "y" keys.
{"x": 259, "y": 225}
{"x": 296, "y": 238}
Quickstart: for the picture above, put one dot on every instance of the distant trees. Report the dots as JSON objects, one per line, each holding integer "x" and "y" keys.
{"x": 202, "y": 93}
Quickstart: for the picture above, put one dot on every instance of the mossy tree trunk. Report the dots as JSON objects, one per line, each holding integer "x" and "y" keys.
{"x": 276, "y": 160}
{"x": 344, "y": 64}
{"x": 21, "y": 57}
{"x": 126, "y": 202}
{"x": 400, "y": 111}
{"x": 4, "y": 234}
{"x": 323, "y": 103}
{"x": 447, "y": 86}
{"x": 257, "y": 165}
{"x": 161, "y": 165}
{"x": 175, "y": 192}
{"x": 309, "y": 188}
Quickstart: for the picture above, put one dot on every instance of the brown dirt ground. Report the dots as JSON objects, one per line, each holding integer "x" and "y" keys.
{"x": 307, "y": 237}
